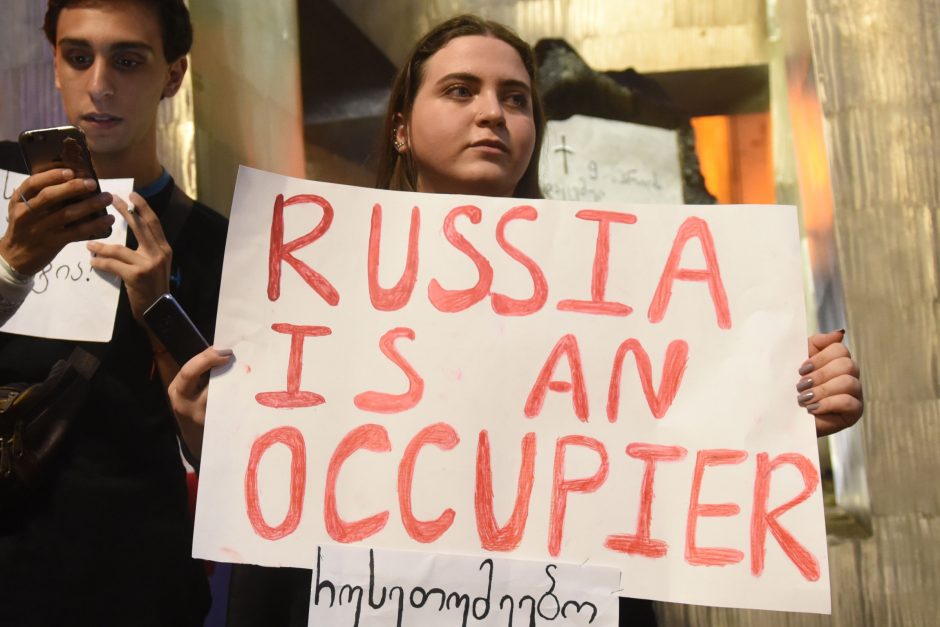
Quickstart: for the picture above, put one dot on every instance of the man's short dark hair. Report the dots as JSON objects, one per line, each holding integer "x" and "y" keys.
{"x": 175, "y": 25}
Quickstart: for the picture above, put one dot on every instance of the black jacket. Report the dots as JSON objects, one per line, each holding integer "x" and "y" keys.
{"x": 108, "y": 540}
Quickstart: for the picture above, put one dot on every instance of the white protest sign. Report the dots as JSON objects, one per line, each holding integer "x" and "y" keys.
{"x": 532, "y": 379}
{"x": 593, "y": 159}
{"x": 69, "y": 300}
{"x": 357, "y": 586}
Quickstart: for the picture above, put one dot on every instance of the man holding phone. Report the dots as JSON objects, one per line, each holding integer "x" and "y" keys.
{"x": 107, "y": 540}
{"x": 36, "y": 234}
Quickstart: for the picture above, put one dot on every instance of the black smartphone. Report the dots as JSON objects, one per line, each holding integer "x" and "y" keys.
{"x": 61, "y": 147}
{"x": 175, "y": 330}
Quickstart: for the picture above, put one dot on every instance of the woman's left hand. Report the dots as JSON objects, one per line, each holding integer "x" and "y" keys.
{"x": 830, "y": 388}
{"x": 144, "y": 270}
{"x": 189, "y": 394}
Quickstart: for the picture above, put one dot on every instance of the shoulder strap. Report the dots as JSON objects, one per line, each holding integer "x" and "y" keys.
{"x": 86, "y": 359}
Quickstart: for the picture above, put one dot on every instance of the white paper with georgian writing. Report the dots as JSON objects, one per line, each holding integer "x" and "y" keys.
{"x": 591, "y": 160}
{"x": 358, "y": 586}
{"x": 734, "y": 412}
{"x": 69, "y": 300}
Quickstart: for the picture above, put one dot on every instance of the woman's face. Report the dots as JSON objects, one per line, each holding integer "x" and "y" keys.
{"x": 471, "y": 129}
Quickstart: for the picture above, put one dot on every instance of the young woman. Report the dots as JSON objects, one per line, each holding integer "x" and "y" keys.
{"x": 464, "y": 117}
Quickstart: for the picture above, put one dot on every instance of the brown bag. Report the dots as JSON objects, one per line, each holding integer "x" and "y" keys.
{"x": 35, "y": 419}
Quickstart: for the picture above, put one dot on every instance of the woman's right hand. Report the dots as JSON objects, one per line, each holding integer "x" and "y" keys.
{"x": 189, "y": 392}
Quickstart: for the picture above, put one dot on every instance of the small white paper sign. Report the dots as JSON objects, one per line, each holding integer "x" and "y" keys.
{"x": 70, "y": 301}
{"x": 594, "y": 160}
{"x": 370, "y": 587}
{"x": 530, "y": 379}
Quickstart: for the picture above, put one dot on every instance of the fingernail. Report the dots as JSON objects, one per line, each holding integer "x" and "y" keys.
{"x": 806, "y": 368}
{"x": 805, "y": 396}
{"x": 842, "y": 331}
{"x": 225, "y": 352}
{"x": 812, "y": 408}
{"x": 106, "y": 198}
{"x": 804, "y": 384}
{"x": 91, "y": 183}
{"x": 67, "y": 175}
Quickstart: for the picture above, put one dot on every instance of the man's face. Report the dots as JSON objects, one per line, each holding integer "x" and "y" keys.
{"x": 111, "y": 73}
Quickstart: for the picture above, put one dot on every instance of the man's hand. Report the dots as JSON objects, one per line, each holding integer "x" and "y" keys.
{"x": 830, "y": 388}
{"x": 146, "y": 270}
{"x": 40, "y": 227}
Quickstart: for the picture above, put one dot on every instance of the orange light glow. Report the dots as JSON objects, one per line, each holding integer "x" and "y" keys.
{"x": 812, "y": 163}
{"x": 735, "y": 156}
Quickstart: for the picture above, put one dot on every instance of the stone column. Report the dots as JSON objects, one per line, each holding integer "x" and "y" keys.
{"x": 247, "y": 96}
{"x": 878, "y": 70}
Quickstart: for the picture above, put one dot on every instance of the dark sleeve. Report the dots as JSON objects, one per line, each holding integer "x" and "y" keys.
{"x": 199, "y": 252}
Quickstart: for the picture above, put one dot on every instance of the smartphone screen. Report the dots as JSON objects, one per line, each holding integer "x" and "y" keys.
{"x": 60, "y": 147}
{"x": 175, "y": 330}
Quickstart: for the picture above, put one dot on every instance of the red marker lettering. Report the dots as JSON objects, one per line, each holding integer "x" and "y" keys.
{"x": 371, "y": 438}
{"x": 710, "y": 556}
{"x": 677, "y": 356}
{"x": 394, "y": 298}
{"x": 698, "y": 228}
{"x": 641, "y": 543}
{"x": 294, "y": 397}
{"x": 294, "y": 440}
{"x": 281, "y": 251}
{"x": 762, "y": 520}
{"x": 508, "y": 537}
{"x": 567, "y": 345}
{"x": 597, "y": 304}
{"x": 444, "y": 437}
{"x": 383, "y": 403}
{"x": 450, "y": 301}
{"x": 561, "y": 485}
{"x": 504, "y": 305}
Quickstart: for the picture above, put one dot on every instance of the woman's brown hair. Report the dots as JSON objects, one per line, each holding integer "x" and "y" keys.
{"x": 396, "y": 171}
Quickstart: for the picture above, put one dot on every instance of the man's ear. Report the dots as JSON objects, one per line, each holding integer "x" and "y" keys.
{"x": 175, "y": 76}
{"x": 400, "y": 135}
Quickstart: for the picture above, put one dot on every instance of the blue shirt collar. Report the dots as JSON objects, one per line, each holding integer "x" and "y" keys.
{"x": 156, "y": 187}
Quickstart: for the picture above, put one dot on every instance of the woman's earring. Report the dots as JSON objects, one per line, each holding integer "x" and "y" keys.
{"x": 398, "y": 144}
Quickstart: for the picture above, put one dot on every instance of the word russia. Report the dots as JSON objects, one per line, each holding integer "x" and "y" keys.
{"x": 455, "y": 300}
